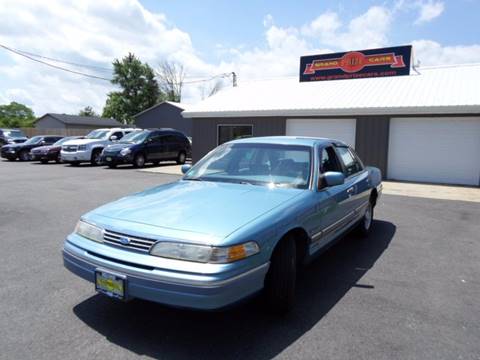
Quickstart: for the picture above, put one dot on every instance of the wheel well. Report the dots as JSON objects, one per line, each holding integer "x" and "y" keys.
{"x": 301, "y": 243}
{"x": 373, "y": 197}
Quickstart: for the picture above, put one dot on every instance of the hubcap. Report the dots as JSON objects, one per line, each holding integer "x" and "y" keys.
{"x": 367, "y": 220}
{"x": 140, "y": 161}
{"x": 182, "y": 157}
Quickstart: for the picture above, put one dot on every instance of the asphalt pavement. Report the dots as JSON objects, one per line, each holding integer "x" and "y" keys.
{"x": 410, "y": 291}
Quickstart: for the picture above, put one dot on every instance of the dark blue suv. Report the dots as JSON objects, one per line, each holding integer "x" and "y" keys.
{"x": 148, "y": 146}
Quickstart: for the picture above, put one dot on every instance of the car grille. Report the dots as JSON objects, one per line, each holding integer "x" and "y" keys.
{"x": 69, "y": 148}
{"x": 128, "y": 241}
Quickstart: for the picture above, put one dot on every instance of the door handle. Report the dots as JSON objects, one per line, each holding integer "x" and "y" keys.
{"x": 350, "y": 191}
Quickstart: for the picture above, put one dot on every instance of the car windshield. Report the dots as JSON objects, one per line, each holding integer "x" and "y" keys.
{"x": 135, "y": 137}
{"x": 257, "y": 164}
{"x": 34, "y": 140}
{"x": 14, "y": 133}
{"x": 63, "y": 140}
{"x": 97, "y": 134}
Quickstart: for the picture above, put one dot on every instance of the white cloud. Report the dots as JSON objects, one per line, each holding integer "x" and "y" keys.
{"x": 429, "y": 10}
{"x": 366, "y": 30}
{"x": 430, "y": 52}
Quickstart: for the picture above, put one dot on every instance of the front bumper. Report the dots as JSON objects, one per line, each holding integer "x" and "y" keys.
{"x": 175, "y": 288}
{"x": 81, "y": 156}
{"x": 8, "y": 155}
{"x": 44, "y": 156}
{"x": 116, "y": 159}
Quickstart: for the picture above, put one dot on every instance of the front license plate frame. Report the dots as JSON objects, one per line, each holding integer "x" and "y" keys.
{"x": 111, "y": 284}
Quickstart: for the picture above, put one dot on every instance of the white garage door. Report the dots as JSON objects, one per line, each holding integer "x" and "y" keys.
{"x": 440, "y": 150}
{"x": 338, "y": 129}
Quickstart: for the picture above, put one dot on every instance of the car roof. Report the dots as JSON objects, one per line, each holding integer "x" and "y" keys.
{"x": 288, "y": 140}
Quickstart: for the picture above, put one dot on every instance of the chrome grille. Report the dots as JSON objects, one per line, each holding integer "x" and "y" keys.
{"x": 128, "y": 241}
{"x": 69, "y": 148}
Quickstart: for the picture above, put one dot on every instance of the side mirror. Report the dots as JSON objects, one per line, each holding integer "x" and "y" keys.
{"x": 113, "y": 138}
{"x": 43, "y": 142}
{"x": 331, "y": 178}
{"x": 185, "y": 168}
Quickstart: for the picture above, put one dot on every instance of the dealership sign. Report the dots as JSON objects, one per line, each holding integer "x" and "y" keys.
{"x": 391, "y": 61}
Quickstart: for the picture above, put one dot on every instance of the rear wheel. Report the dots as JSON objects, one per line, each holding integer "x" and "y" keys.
{"x": 112, "y": 166}
{"x": 74, "y": 163}
{"x": 181, "y": 158}
{"x": 281, "y": 277}
{"x": 96, "y": 157}
{"x": 43, "y": 161}
{"x": 24, "y": 155}
{"x": 139, "y": 161}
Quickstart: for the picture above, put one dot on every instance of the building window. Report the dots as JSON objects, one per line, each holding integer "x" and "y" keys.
{"x": 232, "y": 132}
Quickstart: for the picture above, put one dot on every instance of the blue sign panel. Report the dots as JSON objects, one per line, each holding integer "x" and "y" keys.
{"x": 392, "y": 61}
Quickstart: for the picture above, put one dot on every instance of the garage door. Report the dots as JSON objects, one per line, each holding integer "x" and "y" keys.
{"x": 339, "y": 129}
{"x": 439, "y": 150}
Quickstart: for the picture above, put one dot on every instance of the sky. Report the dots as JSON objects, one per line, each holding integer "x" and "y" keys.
{"x": 255, "y": 39}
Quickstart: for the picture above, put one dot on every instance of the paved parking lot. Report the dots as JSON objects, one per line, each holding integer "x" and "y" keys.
{"x": 411, "y": 291}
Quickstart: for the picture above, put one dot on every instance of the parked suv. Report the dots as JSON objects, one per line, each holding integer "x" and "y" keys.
{"x": 11, "y": 136}
{"x": 89, "y": 148}
{"x": 153, "y": 146}
{"x": 22, "y": 151}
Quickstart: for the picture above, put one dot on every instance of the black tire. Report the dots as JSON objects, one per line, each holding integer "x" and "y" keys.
{"x": 365, "y": 225}
{"x": 10, "y": 159}
{"x": 96, "y": 157}
{"x": 74, "y": 163}
{"x": 181, "y": 158}
{"x": 139, "y": 161}
{"x": 281, "y": 277}
{"x": 24, "y": 155}
{"x": 156, "y": 162}
{"x": 112, "y": 166}
{"x": 43, "y": 161}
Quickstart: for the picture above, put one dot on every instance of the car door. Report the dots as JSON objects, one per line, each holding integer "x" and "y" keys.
{"x": 332, "y": 203}
{"x": 154, "y": 147}
{"x": 356, "y": 177}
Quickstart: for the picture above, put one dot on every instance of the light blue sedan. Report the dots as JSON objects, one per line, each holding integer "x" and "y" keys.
{"x": 242, "y": 220}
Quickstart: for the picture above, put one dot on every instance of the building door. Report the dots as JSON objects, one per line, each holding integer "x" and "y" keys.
{"x": 338, "y": 129}
{"x": 438, "y": 150}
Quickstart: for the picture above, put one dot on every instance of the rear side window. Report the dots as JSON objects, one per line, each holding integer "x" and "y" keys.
{"x": 352, "y": 165}
{"x": 118, "y": 134}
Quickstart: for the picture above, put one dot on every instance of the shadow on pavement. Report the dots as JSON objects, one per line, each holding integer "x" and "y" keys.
{"x": 247, "y": 331}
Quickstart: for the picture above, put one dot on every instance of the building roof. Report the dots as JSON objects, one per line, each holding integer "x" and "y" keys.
{"x": 433, "y": 90}
{"x": 181, "y": 106}
{"x": 82, "y": 120}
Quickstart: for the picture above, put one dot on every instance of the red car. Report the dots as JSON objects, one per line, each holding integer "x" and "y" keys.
{"x": 44, "y": 154}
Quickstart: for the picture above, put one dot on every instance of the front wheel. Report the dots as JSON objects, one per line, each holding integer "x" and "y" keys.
{"x": 281, "y": 277}
{"x": 96, "y": 157}
{"x": 43, "y": 161}
{"x": 139, "y": 161}
{"x": 365, "y": 224}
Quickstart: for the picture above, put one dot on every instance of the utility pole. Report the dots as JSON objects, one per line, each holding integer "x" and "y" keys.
{"x": 234, "y": 79}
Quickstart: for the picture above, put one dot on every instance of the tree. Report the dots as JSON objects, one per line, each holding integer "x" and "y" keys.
{"x": 170, "y": 77}
{"x": 139, "y": 89}
{"x": 16, "y": 115}
{"x": 87, "y": 111}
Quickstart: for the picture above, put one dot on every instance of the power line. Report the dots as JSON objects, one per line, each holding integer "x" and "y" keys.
{"x": 52, "y": 65}
{"x": 65, "y": 62}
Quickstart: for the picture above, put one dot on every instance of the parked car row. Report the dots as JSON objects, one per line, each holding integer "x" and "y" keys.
{"x": 11, "y": 136}
{"x": 111, "y": 147}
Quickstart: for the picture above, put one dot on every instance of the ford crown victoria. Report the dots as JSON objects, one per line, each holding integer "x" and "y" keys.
{"x": 241, "y": 220}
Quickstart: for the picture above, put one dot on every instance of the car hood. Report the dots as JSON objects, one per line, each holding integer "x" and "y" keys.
{"x": 209, "y": 208}
{"x": 15, "y": 146}
{"x": 118, "y": 147}
{"x": 83, "y": 141}
{"x": 46, "y": 148}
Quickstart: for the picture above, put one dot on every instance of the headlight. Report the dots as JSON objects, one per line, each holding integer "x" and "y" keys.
{"x": 89, "y": 231}
{"x": 82, "y": 147}
{"x": 125, "y": 151}
{"x": 203, "y": 253}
